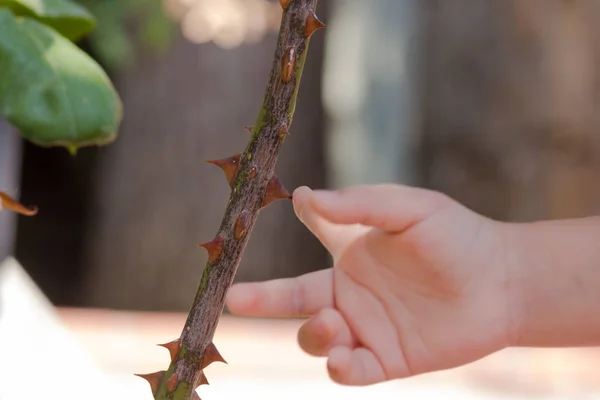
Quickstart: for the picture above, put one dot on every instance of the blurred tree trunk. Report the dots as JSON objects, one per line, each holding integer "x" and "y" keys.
{"x": 370, "y": 91}
{"x": 156, "y": 198}
{"x": 511, "y": 110}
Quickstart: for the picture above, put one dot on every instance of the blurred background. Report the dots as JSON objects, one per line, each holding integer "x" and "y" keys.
{"x": 496, "y": 103}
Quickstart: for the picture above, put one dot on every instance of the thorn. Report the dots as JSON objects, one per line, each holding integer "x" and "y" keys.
{"x": 284, "y": 4}
{"x": 288, "y": 62}
{"x": 201, "y": 380}
{"x": 173, "y": 348}
{"x": 11, "y": 204}
{"x": 252, "y": 171}
{"x": 214, "y": 249}
{"x": 312, "y": 24}
{"x": 172, "y": 382}
{"x": 229, "y": 165}
{"x": 241, "y": 225}
{"x": 195, "y": 396}
{"x": 248, "y": 129}
{"x": 283, "y": 130}
{"x": 211, "y": 355}
{"x": 153, "y": 379}
{"x": 275, "y": 191}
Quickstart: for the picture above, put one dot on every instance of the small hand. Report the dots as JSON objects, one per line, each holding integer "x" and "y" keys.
{"x": 418, "y": 284}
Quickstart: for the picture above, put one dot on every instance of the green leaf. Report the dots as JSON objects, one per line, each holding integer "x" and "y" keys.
{"x": 52, "y": 91}
{"x": 68, "y": 18}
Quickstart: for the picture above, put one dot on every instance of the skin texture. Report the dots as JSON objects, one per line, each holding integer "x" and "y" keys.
{"x": 554, "y": 283}
{"x": 420, "y": 283}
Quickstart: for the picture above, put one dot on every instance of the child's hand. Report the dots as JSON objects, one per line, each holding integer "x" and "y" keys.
{"x": 418, "y": 285}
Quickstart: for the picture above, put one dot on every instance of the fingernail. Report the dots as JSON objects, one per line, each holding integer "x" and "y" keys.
{"x": 300, "y": 190}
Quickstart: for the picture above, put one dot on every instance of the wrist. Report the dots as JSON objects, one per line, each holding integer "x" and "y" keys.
{"x": 512, "y": 258}
{"x": 553, "y": 281}
{"x": 517, "y": 256}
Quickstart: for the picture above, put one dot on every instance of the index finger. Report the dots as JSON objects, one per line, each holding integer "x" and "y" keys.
{"x": 297, "y": 297}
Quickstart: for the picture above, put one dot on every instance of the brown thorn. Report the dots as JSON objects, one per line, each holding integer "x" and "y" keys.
{"x": 153, "y": 379}
{"x": 241, "y": 225}
{"x": 288, "y": 63}
{"x": 248, "y": 129}
{"x": 312, "y": 24}
{"x": 284, "y": 4}
{"x": 211, "y": 355}
{"x": 172, "y": 382}
{"x": 214, "y": 248}
{"x": 275, "y": 191}
{"x": 173, "y": 348}
{"x": 195, "y": 396}
{"x": 229, "y": 166}
{"x": 11, "y": 204}
{"x": 201, "y": 380}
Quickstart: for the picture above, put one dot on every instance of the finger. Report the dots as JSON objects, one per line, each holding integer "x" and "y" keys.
{"x": 283, "y": 298}
{"x": 391, "y": 208}
{"x": 354, "y": 367}
{"x": 323, "y": 331}
{"x": 334, "y": 237}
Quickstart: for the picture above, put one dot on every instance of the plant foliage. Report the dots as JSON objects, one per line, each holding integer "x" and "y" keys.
{"x": 51, "y": 91}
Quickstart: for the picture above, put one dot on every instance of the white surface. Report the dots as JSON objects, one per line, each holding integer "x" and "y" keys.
{"x": 276, "y": 389}
{"x": 31, "y": 334}
{"x": 39, "y": 359}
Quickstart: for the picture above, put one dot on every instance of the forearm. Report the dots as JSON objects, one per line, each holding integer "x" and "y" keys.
{"x": 554, "y": 283}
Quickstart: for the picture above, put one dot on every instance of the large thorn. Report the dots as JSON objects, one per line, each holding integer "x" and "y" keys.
{"x": 275, "y": 191}
{"x": 288, "y": 63}
{"x": 284, "y": 4}
{"x": 211, "y": 355}
{"x": 11, "y": 204}
{"x": 173, "y": 348}
{"x": 229, "y": 165}
{"x": 214, "y": 248}
{"x": 153, "y": 379}
{"x": 195, "y": 396}
{"x": 241, "y": 225}
{"x": 312, "y": 24}
{"x": 201, "y": 380}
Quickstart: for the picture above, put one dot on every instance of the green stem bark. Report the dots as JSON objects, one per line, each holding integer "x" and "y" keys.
{"x": 253, "y": 183}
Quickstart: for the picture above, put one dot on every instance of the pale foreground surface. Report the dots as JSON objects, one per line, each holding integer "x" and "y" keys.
{"x": 99, "y": 350}
{"x": 39, "y": 357}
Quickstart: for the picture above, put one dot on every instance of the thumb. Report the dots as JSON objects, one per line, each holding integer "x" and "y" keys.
{"x": 388, "y": 207}
{"x": 333, "y": 236}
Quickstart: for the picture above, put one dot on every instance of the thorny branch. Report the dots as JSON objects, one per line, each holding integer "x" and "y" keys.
{"x": 253, "y": 186}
